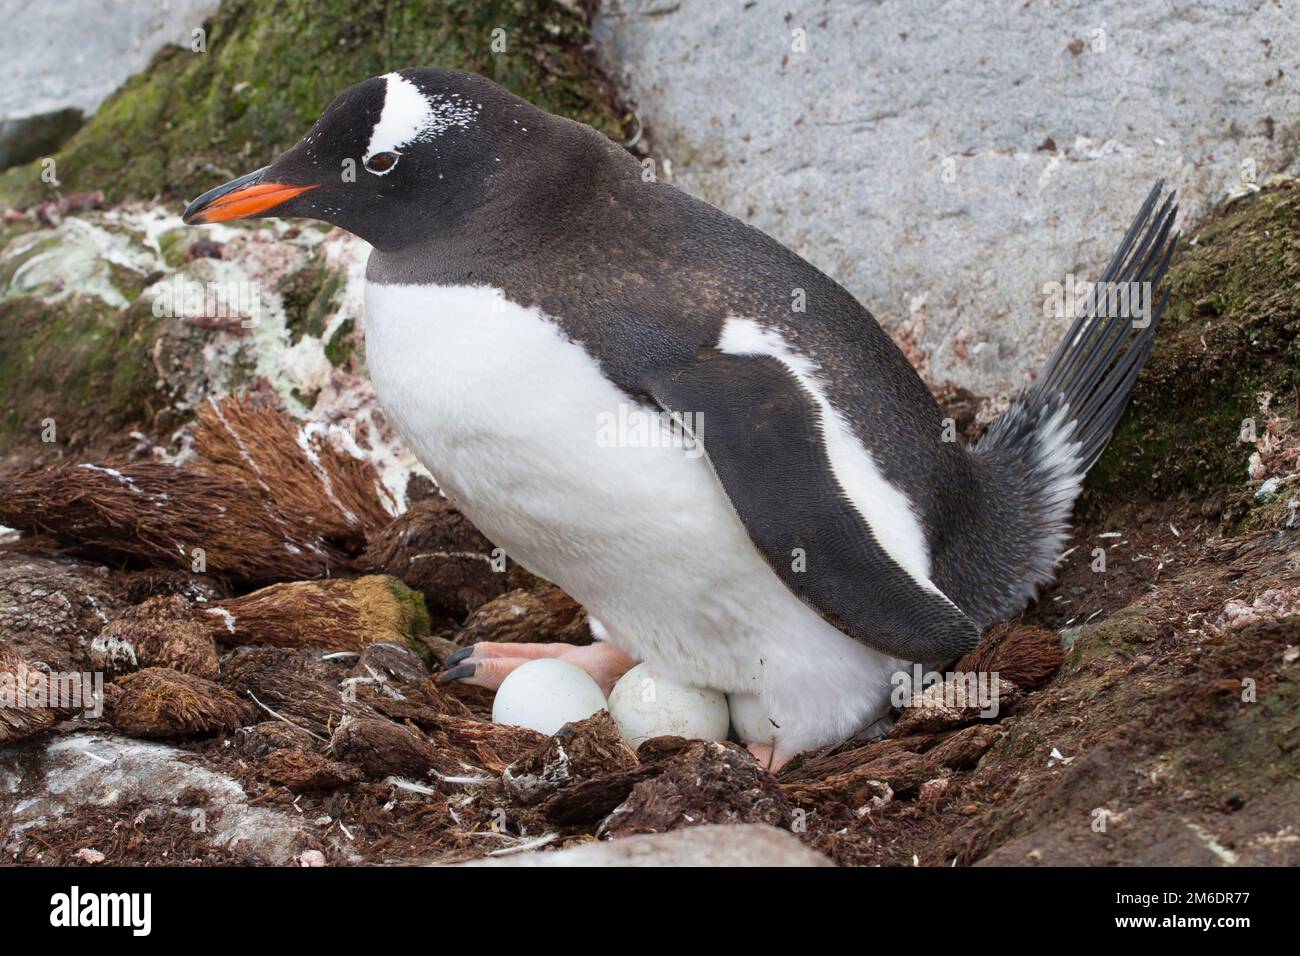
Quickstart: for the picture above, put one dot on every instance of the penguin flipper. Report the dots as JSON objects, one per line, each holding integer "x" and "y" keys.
{"x": 761, "y": 431}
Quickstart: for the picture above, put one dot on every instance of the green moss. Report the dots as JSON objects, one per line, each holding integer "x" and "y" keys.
{"x": 299, "y": 291}
{"x": 1232, "y": 330}
{"x": 10, "y": 266}
{"x": 322, "y": 304}
{"x": 192, "y": 119}
{"x": 419, "y": 625}
{"x": 78, "y": 361}
{"x": 341, "y": 346}
{"x": 172, "y": 246}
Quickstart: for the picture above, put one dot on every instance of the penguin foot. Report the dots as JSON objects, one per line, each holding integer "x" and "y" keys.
{"x": 486, "y": 664}
{"x": 770, "y": 757}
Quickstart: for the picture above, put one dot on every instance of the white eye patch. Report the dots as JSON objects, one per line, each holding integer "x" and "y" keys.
{"x": 410, "y": 116}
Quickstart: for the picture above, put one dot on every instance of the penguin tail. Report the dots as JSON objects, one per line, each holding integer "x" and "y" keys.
{"x": 1044, "y": 444}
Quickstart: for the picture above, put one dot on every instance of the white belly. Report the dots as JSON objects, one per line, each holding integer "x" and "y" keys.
{"x": 513, "y": 419}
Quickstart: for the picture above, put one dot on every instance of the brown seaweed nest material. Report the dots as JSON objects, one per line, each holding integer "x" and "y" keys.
{"x": 265, "y": 499}
{"x": 336, "y": 615}
{"x": 161, "y": 702}
{"x": 436, "y": 550}
{"x": 21, "y": 688}
{"x": 161, "y": 632}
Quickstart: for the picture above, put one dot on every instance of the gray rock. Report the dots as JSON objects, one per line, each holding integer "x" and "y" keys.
{"x": 68, "y": 55}
{"x": 1051, "y": 122}
{"x": 709, "y": 845}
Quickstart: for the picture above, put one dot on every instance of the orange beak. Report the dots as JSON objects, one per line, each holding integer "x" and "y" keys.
{"x": 245, "y": 196}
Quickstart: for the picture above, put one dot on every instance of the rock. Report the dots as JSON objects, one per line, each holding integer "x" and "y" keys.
{"x": 707, "y": 845}
{"x": 547, "y": 614}
{"x": 334, "y": 614}
{"x": 1273, "y": 604}
{"x": 801, "y": 116}
{"x": 161, "y": 632}
{"x": 78, "y": 52}
{"x": 160, "y": 702}
{"x": 90, "y": 770}
{"x": 433, "y": 548}
{"x": 50, "y": 609}
{"x": 23, "y": 140}
{"x": 707, "y": 783}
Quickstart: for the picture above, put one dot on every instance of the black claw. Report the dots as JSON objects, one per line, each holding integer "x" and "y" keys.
{"x": 458, "y": 673}
{"x": 457, "y": 656}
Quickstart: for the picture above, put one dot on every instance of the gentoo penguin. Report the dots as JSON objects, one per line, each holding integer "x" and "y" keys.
{"x": 788, "y": 519}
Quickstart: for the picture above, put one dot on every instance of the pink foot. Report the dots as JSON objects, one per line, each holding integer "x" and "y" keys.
{"x": 770, "y": 757}
{"x": 487, "y": 664}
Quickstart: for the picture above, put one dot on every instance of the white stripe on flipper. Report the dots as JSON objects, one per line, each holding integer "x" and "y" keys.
{"x": 409, "y": 116}
{"x": 885, "y": 508}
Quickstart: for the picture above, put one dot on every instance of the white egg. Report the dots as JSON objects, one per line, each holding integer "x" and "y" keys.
{"x": 546, "y": 694}
{"x": 751, "y": 720}
{"x": 646, "y": 704}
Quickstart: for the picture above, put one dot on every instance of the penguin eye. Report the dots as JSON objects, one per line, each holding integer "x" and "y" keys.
{"x": 381, "y": 163}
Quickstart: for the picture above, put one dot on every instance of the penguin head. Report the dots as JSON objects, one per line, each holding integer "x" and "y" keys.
{"x": 394, "y": 159}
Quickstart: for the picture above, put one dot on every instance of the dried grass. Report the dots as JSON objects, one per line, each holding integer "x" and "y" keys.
{"x": 334, "y": 615}
{"x": 265, "y": 499}
{"x": 161, "y": 702}
{"x": 161, "y": 632}
{"x": 19, "y": 686}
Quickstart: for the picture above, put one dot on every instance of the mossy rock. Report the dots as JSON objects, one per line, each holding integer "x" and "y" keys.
{"x": 1231, "y": 331}
{"x": 79, "y": 361}
{"x": 194, "y": 118}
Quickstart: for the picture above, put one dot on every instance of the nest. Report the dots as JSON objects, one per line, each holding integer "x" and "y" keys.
{"x": 161, "y": 632}
{"x": 160, "y": 702}
{"x": 435, "y": 549}
{"x": 1025, "y": 656}
{"x": 333, "y": 614}
{"x": 264, "y": 499}
{"x": 293, "y": 686}
{"x": 303, "y": 770}
{"x": 705, "y": 782}
{"x": 22, "y": 690}
{"x": 546, "y": 614}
